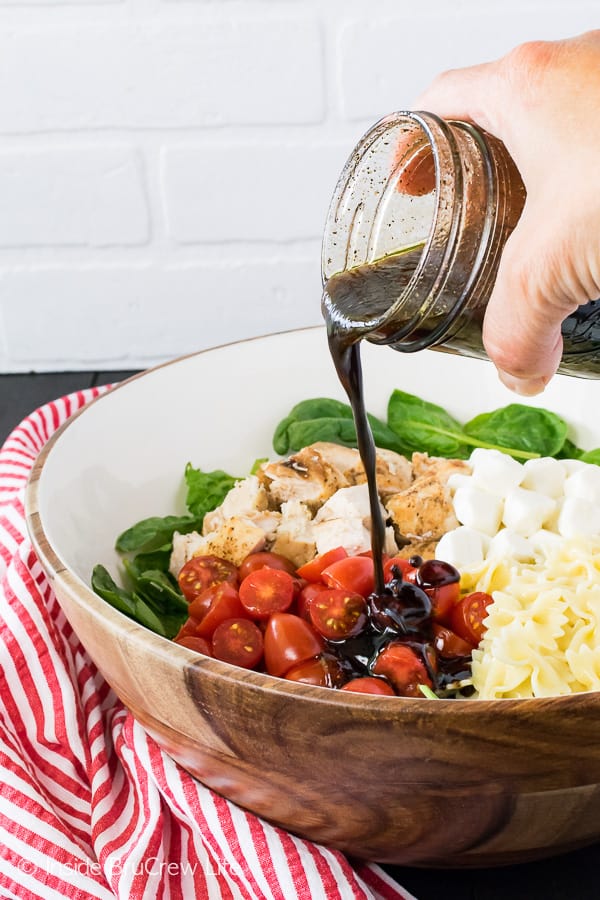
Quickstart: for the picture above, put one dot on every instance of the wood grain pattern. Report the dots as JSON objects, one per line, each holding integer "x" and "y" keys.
{"x": 387, "y": 779}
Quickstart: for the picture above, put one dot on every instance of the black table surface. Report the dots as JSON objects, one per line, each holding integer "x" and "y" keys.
{"x": 573, "y": 876}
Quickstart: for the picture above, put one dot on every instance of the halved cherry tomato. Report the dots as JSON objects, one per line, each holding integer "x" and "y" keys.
{"x": 443, "y": 600}
{"x": 338, "y": 614}
{"x": 195, "y": 643}
{"x": 369, "y": 685}
{"x": 400, "y": 563}
{"x": 224, "y": 604}
{"x": 312, "y": 570}
{"x": 403, "y": 668}
{"x": 266, "y": 591}
{"x": 289, "y": 640}
{"x": 263, "y": 559}
{"x": 188, "y": 627}
{"x": 325, "y": 671}
{"x": 467, "y": 618}
{"x": 306, "y": 596}
{"x": 355, "y": 573}
{"x": 201, "y": 572}
{"x": 239, "y": 642}
{"x": 448, "y": 644}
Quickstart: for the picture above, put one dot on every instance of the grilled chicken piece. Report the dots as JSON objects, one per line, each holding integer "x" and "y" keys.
{"x": 306, "y": 476}
{"x": 394, "y": 472}
{"x": 294, "y": 537}
{"x": 441, "y": 468}
{"x": 423, "y": 511}
{"x": 233, "y": 541}
{"x": 345, "y": 521}
{"x": 246, "y": 498}
{"x": 425, "y": 549}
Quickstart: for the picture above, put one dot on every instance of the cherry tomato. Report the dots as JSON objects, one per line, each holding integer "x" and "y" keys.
{"x": 201, "y": 572}
{"x": 195, "y": 643}
{"x": 224, "y": 604}
{"x": 448, "y": 644}
{"x": 338, "y": 614}
{"x": 355, "y": 573}
{"x": 441, "y": 582}
{"x": 265, "y": 560}
{"x": 443, "y": 600}
{"x": 324, "y": 671}
{"x": 312, "y": 570}
{"x": 289, "y": 640}
{"x": 369, "y": 685}
{"x": 239, "y": 642}
{"x": 400, "y": 563}
{"x": 468, "y": 615}
{"x": 188, "y": 627}
{"x": 403, "y": 668}
{"x": 267, "y": 591}
{"x": 306, "y": 596}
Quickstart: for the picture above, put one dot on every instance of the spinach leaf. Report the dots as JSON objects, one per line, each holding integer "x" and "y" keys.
{"x": 569, "y": 451}
{"x": 158, "y": 559}
{"x": 305, "y": 411}
{"x": 155, "y": 532}
{"x": 591, "y": 456}
{"x": 425, "y": 427}
{"x": 159, "y": 589}
{"x": 340, "y": 431}
{"x": 206, "y": 490}
{"x": 258, "y": 463}
{"x": 519, "y": 428}
{"x": 131, "y": 604}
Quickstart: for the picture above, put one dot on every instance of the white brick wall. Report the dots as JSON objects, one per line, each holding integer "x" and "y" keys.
{"x": 166, "y": 165}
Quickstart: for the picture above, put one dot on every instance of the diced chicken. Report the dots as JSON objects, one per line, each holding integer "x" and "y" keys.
{"x": 423, "y": 511}
{"x": 425, "y": 549}
{"x": 184, "y": 547}
{"x": 345, "y": 521}
{"x": 294, "y": 537}
{"x": 394, "y": 472}
{"x": 438, "y": 466}
{"x": 350, "y": 534}
{"x": 233, "y": 541}
{"x": 306, "y": 476}
{"x": 245, "y": 498}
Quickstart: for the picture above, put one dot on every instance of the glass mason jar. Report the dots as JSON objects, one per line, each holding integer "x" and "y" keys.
{"x": 414, "y": 235}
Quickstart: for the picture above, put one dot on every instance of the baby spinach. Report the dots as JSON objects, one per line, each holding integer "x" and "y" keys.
{"x": 206, "y": 490}
{"x": 425, "y": 427}
{"x": 154, "y": 532}
{"x": 326, "y": 419}
{"x": 591, "y": 456}
{"x": 308, "y": 410}
{"x": 128, "y": 602}
{"x": 519, "y": 428}
{"x": 155, "y": 599}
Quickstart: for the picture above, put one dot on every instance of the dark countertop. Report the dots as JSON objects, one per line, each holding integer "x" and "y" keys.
{"x": 573, "y": 876}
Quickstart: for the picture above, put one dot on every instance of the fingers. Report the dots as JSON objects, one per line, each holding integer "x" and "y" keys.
{"x": 472, "y": 93}
{"x": 522, "y": 326}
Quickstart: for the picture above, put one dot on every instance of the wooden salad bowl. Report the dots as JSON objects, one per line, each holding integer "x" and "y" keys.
{"x": 446, "y": 783}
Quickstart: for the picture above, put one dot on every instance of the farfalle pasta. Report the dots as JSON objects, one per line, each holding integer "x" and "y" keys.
{"x": 543, "y": 628}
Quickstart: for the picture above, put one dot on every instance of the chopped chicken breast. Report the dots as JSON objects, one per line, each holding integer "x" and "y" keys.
{"x": 394, "y": 472}
{"x": 441, "y": 468}
{"x": 345, "y": 521}
{"x": 306, "y": 476}
{"x": 245, "y": 498}
{"x": 295, "y": 538}
{"x": 423, "y": 511}
{"x": 233, "y": 541}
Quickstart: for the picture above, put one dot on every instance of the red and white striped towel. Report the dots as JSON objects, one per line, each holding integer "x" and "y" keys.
{"x": 90, "y": 807}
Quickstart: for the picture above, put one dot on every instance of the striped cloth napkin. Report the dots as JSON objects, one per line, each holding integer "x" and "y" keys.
{"x": 90, "y": 807}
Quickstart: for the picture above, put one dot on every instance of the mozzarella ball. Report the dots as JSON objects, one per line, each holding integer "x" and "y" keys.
{"x": 495, "y": 471}
{"x": 478, "y": 509}
{"x": 544, "y": 475}
{"x": 462, "y": 547}
{"x": 584, "y": 483}
{"x": 579, "y": 518}
{"x": 508, "y": 544}
{"x": 526, "y": 511}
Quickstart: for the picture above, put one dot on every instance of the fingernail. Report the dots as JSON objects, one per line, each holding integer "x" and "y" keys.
{"x": 525, "y": 387}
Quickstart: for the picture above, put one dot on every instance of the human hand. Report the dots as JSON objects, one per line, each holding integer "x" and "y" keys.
{"x": 543, "y": 101}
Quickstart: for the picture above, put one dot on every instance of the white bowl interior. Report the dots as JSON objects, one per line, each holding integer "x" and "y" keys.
{"x": 123, "y": 458}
